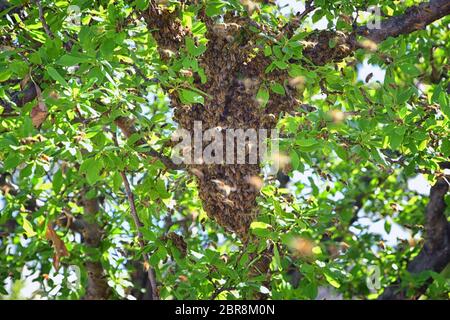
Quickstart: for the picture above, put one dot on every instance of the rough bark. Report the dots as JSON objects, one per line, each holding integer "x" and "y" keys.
{"x": 97, "y": 286}
{"x": 435, "y": 253}
{"x": 415, "y": 18}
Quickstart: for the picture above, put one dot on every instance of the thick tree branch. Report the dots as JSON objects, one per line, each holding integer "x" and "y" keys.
{"x": 317, "y": 47}
{"x": 435, "y": 254}
{"x": 97, "y": 287}
{"x": 414, "y": 18}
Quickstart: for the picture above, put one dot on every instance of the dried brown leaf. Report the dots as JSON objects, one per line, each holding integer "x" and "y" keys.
{"x": 58, "y": 246}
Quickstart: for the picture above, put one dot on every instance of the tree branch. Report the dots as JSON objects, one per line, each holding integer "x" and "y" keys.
{"x": 20, "y": 98}
{"x": 42, "y": 19}
{"x": 317, "y": 47}
{"x": 296, "y": 21}
{"x": 127, "y": 127}
{"x": 414, "y": 18}
{"x": 435, "y": 253}
{"x": 97, "y": 287}
{"x": 139, "y": 225}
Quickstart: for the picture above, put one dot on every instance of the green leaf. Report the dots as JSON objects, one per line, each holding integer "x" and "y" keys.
{"x": 259, "y": 225}
{"x": 92, "y": 167}
{"x": 28, "y": 227}
{"x": 331, "y": 279}
{"x": 193, "y": 49}
{"x": 262, "y": 96}
{"x": 161, "y": 189}
{"x": 68, "y": 60}
{"x": 214, "y": 8}
{"x": 277, "y": 88}
{"x": 20, "y": 68}
{"x": 310, "y": 290}
{"x": 86, "y": 38}
{"x": 267, "y": 51}
{"x": 306, "y": 142}
{"x": 332, "y": 43}
{"x": 443, "y": 101}
{"x": 107, "y": 48}
{"x": 12, "y": 161}
{"x": 387, "y": 226}
{"x": 260, "y": 229}
{"x": 189, "y": 97}
{"x": 404, "y": 95}
{"x": 445, "y": 147}
{"x": 141, "y": 4}
{"x": 276, "y": 256}
{"x": 281, "y": 64}
{"x": 57, "y": 181}
{"x": 5, "y": 75}
{"x": 56, "y": 76}
{"x": 295, "y": 160}
{"x": 395, "y": 140}
{"x": 148, "y": 235}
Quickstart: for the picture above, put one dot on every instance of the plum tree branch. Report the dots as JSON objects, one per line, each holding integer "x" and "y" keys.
{"x": 42, "y": 19}
{"x": 317, "y": 47}
{"x": 138, "y": 224}
{"x": 414, "y": 18}
{"x": 97, "y": 287}
{"x": 435, "y": 253}
{"x": 127, "y": 127}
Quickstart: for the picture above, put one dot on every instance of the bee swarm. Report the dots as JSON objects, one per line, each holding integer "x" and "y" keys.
{"x": 234, "y": 74}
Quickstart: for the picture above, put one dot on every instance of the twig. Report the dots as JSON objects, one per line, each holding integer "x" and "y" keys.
{"x": 296, "y": 21}
{"x": 139, "y": 224}
{"x": 309, "y": 7}
{"x": 42, "y": 19}
{"x": 141, "y": 73}
{"x": 127, "y": 128}
{"x": 219, "y": 291}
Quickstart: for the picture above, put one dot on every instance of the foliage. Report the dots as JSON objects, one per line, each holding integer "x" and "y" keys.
{"x": 351, "y": 157}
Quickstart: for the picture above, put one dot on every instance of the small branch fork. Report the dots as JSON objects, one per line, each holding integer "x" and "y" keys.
{"x": 297, "y": 20}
